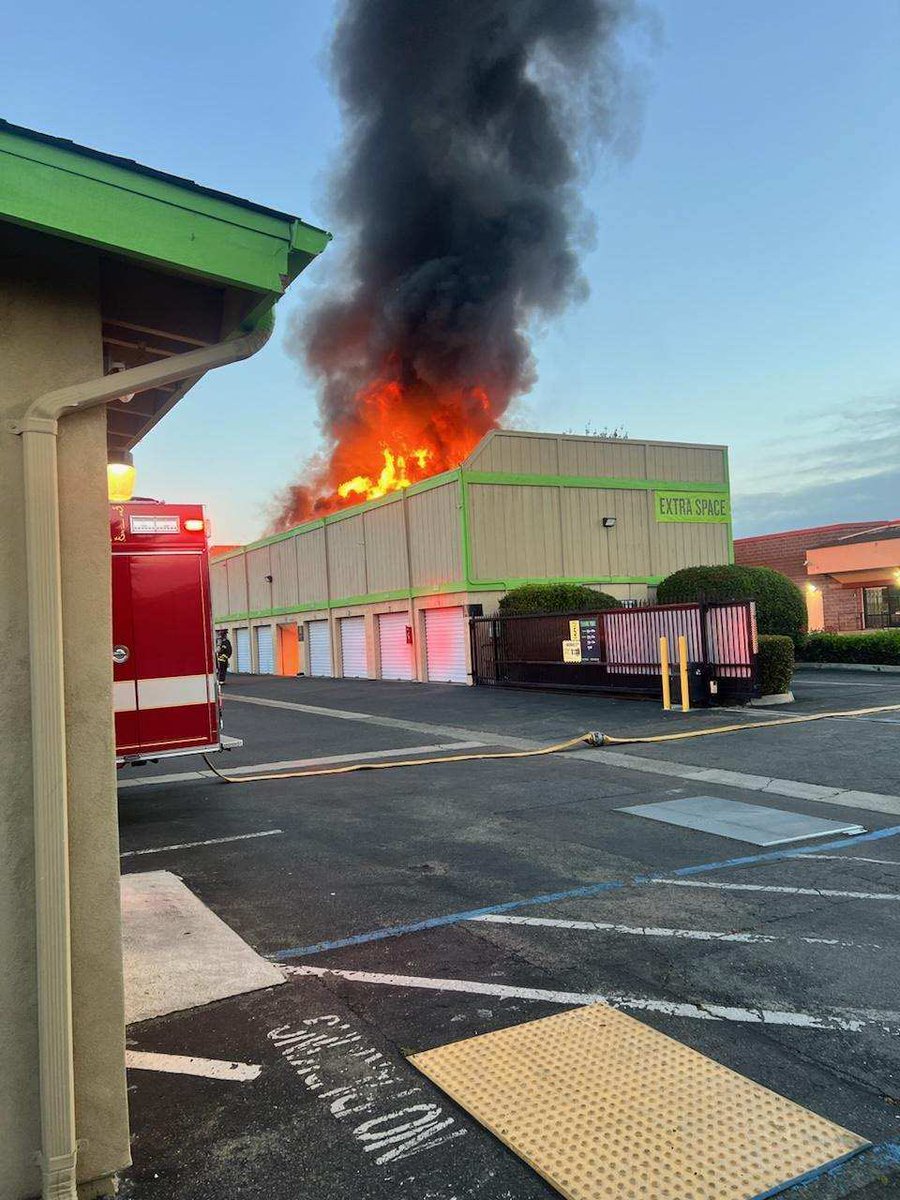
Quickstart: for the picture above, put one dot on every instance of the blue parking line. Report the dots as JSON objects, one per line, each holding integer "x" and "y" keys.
{"x": 883, "y": 1157}
{"x": 591, "y": 889}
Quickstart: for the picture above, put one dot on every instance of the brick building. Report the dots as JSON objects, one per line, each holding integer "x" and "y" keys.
{"x": 850, "y": 573}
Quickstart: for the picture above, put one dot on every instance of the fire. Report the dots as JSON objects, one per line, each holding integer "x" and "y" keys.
{"x": 390, "y": 437}
{"x": 393, "y": 478}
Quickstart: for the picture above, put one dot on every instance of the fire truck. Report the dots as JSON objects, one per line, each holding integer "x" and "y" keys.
{"x": 166, "y": 695}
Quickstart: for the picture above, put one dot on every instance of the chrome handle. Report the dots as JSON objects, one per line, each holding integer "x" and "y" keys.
{"x": 121, "y": 654}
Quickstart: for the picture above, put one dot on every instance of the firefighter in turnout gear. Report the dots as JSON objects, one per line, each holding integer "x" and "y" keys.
{"x": 223, "y": 655}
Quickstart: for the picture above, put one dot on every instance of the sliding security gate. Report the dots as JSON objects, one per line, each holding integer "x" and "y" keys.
{"x": 242, "y": 648}
{"x": 445, "y": 645}
{"x": 265, "y": 650}
{"x": 319, "y": 636}
{"x": 353, "y": 647}
{"x": 395, "y": 646}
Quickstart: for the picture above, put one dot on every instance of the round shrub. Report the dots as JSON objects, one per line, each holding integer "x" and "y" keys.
{"x": 554, "y": 598}
{"x": 776, "y": 664}
{"x": 780, "y": 606}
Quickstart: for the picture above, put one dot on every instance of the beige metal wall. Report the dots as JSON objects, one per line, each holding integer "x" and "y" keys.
{"x": 435, "y": 538}
{"x": 50, "y": 337}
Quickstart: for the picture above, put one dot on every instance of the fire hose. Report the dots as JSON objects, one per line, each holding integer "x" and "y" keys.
{"x": 590, "y": 738}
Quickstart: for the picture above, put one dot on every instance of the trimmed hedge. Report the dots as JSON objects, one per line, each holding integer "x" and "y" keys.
{"x": 776, "y": 664}
{"x": 555, "y": 598}
{"x": 881, "y": 648}
{"x": 780, "y": 606}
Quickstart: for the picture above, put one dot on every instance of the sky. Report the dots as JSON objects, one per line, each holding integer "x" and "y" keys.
{"x": 744, "y": 273}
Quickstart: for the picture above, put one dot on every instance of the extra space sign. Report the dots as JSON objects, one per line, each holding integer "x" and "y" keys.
{"x": 693, "y": 506}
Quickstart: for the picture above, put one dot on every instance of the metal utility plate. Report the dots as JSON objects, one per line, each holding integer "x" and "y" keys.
{"x": 603, "y": 1106}
{"x": 740, "y": 822}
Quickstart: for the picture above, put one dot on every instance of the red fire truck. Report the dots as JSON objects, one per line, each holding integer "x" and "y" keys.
{"x": 165, "y": 691}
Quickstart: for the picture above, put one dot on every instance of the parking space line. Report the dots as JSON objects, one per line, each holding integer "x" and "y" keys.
{"x": 590, "y": 889}
{"x": 785, "y": 891}
{"x": 840, "y": 1019}
{"x": 293, "y": 763}
{"x": 797, "y": 789}
{"x": 884, "y": 862}
{"x": 698, "y": 935}
{"x": 237, "y": 837}
{"x": 179, "y": 1064}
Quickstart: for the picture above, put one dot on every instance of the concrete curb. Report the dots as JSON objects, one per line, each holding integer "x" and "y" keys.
{"x": 820, "y": 666}
{"x": 772, "y": 698}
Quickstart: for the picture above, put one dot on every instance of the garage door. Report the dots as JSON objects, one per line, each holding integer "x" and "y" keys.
{"x": 445, "y": 645}
{"x": 395, "y": 648}
{"x": 265, "y": 650}
{"x": 242, "y": 648}
{"x": 353, "y": 647}
{"x": 319, "y": 648}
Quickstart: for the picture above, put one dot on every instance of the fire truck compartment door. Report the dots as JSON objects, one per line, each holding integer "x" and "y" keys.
{"x": 353, "y": 647}
{"x": 242, "y": 643}
{"x": 395, "y": 646}
{"x": 319, "y": 636}
{"x": 124, "y": 683}
{"x": 172, "y": 651}
{"x": 265, "y": 650}
{"x": 445, "y": 644}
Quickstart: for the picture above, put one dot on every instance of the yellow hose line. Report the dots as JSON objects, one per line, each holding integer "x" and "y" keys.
{"x": 588, "y": 739}
{"x": 582, "y": 739}
{"x": 609, "y": 740}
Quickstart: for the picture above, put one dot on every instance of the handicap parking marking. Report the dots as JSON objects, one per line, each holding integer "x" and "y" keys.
{"x": 777, "y": 889}
{"x": 836, "y": 1020}
{"x": 593, "y": 889}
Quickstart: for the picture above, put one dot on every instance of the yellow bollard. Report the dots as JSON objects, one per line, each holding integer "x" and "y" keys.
{"x": 683, "y": 672}
{"x": 664, "y": 669}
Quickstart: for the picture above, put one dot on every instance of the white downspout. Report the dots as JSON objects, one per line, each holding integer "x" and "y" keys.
{"x": 38, "y": 430}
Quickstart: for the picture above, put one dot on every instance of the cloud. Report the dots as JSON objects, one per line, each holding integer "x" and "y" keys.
{"x": 844, "y": 465}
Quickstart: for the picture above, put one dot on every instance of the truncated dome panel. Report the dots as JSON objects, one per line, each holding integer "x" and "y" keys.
{"x": 606, "y": 1108}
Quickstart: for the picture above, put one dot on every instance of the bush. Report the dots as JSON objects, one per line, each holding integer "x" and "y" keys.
{"x": 776, "y": 664}
{"x": 881, "y": 648}
{"x": 780, "y": 606}
{"x": 555, "y": 598}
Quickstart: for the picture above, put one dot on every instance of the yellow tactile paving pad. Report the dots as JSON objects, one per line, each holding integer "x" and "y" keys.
{"x": 606, "y": 1108}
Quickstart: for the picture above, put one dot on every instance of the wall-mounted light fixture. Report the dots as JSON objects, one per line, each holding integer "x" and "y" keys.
{"x": 811, "y": 587}
{"x": 609, "y": 522}
{"x": 120, "y": 476}
{"x": 269, "y": 578}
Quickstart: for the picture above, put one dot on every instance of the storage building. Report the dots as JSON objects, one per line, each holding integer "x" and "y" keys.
{"x": 383, "y": 590}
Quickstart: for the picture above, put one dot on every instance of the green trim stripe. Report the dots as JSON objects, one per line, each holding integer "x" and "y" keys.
{"x": 587, "y": 481}
{"x": 480, "y": 585}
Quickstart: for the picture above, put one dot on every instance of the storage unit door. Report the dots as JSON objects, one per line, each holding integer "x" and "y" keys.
{"x": 395, "y": 646}
{"x": 242, "y": 649}
{"x": 319, "y": 648}
{"x": 353, "y": 647}
{"x": 265, "y": 650}
{"x": 445, "y": 645}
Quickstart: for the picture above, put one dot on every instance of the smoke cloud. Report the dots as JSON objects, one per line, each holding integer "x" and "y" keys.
{"x": 469, "y": 124}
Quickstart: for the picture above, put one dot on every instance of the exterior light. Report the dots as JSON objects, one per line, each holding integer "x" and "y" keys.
{"x": 609, "y": 522}
{"x": 120, "y": 476}
{"x": 811, "y": 587}
{"x": 193, "y": 525}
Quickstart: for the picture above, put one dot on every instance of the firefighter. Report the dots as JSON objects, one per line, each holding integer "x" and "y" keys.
{"x": 223, "y": 655}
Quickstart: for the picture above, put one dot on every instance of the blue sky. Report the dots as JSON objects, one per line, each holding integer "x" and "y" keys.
{"x": 745, "y": 276}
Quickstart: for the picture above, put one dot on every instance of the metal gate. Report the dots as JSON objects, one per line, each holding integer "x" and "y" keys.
{"x": 618, "y": 650}
{"x": 242, "y": 649}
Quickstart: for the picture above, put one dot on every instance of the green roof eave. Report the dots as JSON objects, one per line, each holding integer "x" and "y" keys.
{"x": 73, "y": 192}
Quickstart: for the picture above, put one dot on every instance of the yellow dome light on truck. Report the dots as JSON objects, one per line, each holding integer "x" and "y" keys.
{"x": 120, "y": 477}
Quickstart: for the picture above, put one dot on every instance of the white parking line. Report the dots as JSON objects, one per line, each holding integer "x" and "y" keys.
{"x": 834, "y": 1019}
{"x": 822, "y": 794}
{"x": 238, "y": 837}
{"x": 785, "y": 891}
{"x": 884, "y": 862}
{"x": 698, "y": 935}
{"x": 293, "y": 764}
{"x": 178, "y": 1064}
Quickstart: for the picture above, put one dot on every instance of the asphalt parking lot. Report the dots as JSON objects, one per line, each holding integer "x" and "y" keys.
{"x": 414, "y": 907}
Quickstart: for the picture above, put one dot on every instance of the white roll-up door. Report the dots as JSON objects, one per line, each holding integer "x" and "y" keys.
{"x": 445, "y": 645}
{"x": 242, "y": 649}
{"x": 265, "y": 650}
{"x": 353, "y": 647}
{"x": 395, "y": 646}
{"x": 319, "y": 648}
